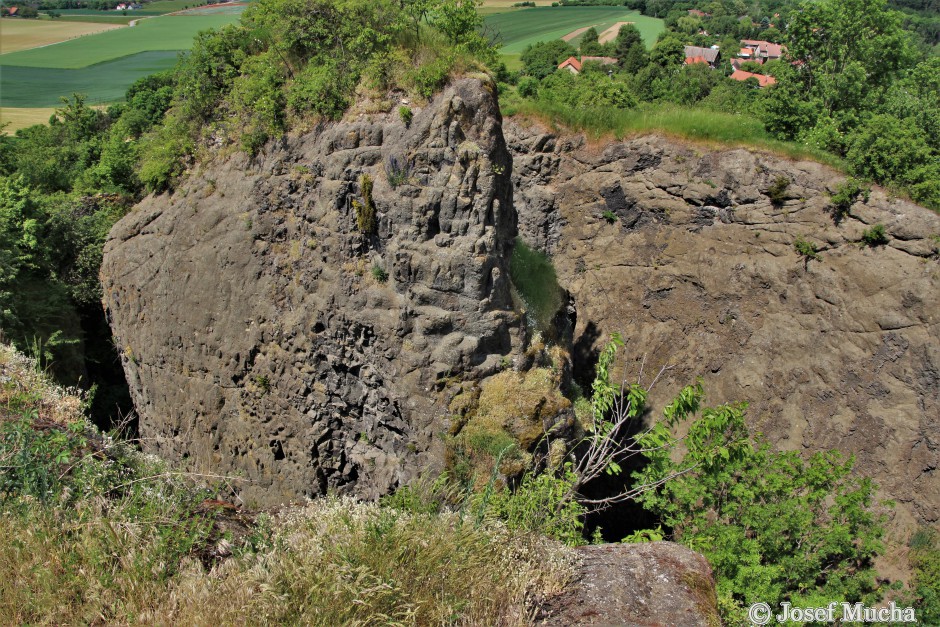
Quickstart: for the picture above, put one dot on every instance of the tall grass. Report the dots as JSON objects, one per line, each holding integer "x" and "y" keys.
{"x": 92, "y": 532}
{"x": 696, "y": 124}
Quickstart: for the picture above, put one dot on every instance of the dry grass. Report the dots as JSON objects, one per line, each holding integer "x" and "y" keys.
{"x": 127, "y": 542}
{"x": 21, "y": 118}
{"x": 338, "y": 562}
{"x": 25, "y": 34}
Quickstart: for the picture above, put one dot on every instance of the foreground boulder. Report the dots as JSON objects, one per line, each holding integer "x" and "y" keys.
{"x": 653, "y": 584}
{"x": 273, "y": 333}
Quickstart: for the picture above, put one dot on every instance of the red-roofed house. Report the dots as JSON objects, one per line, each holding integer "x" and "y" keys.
{"x": 12, "y": 11}
{"x": 571, "y": 64}
{"x": 576, "y": 67}
{"x": 697, "y": 13}
{"x": 761, "y": 51}
{"x": 763, "y": 81}
{"x": 697, "y": 54}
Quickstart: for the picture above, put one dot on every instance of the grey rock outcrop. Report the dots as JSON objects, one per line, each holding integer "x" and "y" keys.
{"x": 656, "y": 584}
{"x": 699, "y": 272}
{"x": 261, "y": 340}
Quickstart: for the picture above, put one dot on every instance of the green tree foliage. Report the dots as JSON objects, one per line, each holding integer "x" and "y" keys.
{"x": 588, "y": 90}
{"x": 541, "y": 59}
{"x": 630, "y": 50}
{"x": 774, "y": 526}
{"x": 589, "y": 43}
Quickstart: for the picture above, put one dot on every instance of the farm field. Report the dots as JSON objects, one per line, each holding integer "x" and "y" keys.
{"x": 101, "y": 83}
{"x": 519, "y": 29}
{"x": 171, "y": 32}
{"x": 18, "y": 35}
{"x": 21, "y": 118}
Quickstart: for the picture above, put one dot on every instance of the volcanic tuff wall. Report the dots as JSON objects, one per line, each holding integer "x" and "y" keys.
{"x": 257, "y": 342}
{"x": 256, "y": 339}
{"x": 699, "y": 272}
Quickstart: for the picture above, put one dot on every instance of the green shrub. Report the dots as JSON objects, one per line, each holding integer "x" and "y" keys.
{"x": 365, "y": 211}
{"x": 924, "y": 558}
{"x": 875, "y": 236}
{"x": 406, "y": 114}
{"x": 322, "y": 88}
{"x": 164, "y": 152}
{"x": 429, "y": 77}
{"x": 775, "y": 526}
{"x": 846, "y": 195}
{"x": 610, "y": 216}
{"x": 805, "y": 249}
{"x": 542, "y": 503}
{"x": 379, "y": 273}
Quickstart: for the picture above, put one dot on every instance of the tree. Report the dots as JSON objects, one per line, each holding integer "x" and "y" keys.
{"x": 589, "y": 43}
{"x": 457, "y": 19}
{"x": 833, "y": 35}
{"x": 669, "y": 50}
{"x": 542, "y": 58}
{"x": 774, "y": 526}
{"x": 630, "y": 50}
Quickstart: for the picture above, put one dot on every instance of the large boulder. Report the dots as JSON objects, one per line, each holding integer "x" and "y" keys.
{"x": 267, "y": 339}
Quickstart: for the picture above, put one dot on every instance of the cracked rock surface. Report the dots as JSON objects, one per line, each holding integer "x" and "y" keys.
{"x": 258, "y": 338}
{"x": 699, "y": 272}
{"x": 652, "y": 584}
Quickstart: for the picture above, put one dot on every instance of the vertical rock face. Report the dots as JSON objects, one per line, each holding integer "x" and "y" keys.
{"x": 266, "y": 338}
{"x": 699, "y": 271}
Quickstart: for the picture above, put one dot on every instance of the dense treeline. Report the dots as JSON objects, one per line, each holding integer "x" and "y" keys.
{"x": 873, "y": 101}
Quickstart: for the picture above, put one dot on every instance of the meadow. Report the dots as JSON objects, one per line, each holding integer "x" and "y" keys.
{"x": 18, "y": 35}
{"x": 518, "y": 29}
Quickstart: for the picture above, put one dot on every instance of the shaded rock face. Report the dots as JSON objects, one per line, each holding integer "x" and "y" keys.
{"x": 257, "y": 339}
{"x": 699, "y": 272}
{"x": 652, "y": 584}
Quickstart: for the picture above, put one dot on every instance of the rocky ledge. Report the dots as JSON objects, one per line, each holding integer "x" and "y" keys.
{"x": 689, "y": 252}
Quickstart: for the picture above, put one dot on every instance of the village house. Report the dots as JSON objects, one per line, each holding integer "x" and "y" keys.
{"x": 762, "y": 81}
{"x": 760, "y": 51}
{"x": 575, "y": 66}
{"x": 697, "y": 54}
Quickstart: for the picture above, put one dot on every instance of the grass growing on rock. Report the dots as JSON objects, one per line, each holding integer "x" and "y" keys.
{"x": 724, "y": 129}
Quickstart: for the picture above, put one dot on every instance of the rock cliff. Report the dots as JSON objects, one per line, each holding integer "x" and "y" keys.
{"x": 682, "y": 250}
{"x": 266, "y": 337}
{"x": 271, "y": 336}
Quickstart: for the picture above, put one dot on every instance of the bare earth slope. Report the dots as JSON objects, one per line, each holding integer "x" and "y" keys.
{"x": 699, "y": 272}
{"x": 256, "y": 340}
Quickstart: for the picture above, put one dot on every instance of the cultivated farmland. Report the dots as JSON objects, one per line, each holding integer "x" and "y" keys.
{"x": 101, "y": 83}
{"x": 24, "y": 34}
{"x": 518, "y": 29}
{"x": 169, "y": 32}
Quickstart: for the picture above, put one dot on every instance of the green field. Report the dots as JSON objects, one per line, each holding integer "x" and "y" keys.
{"x": 518, "y": 29}
{"x": 172, "y": 32}
{"x": 101, "y": 83}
